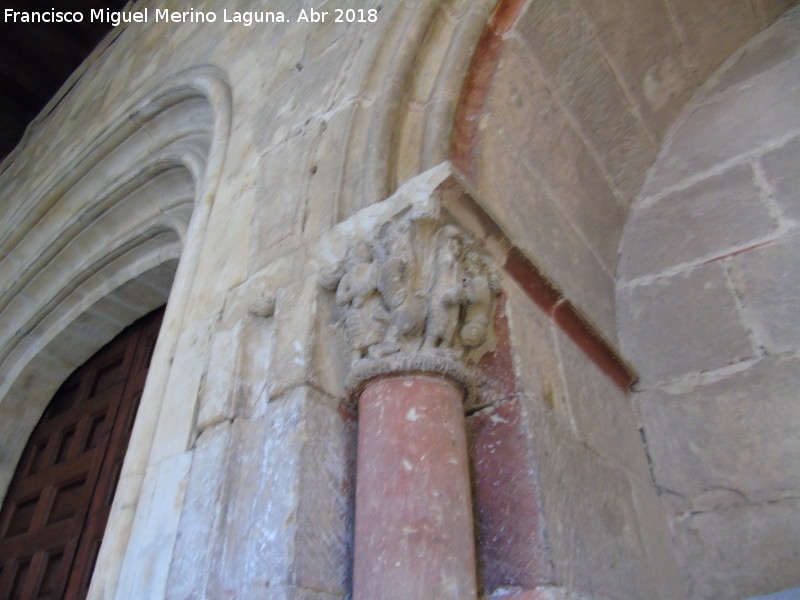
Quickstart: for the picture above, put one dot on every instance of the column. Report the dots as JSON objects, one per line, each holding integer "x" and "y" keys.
{"x": 416, "y": 304}
{"x": 414, "y": 535}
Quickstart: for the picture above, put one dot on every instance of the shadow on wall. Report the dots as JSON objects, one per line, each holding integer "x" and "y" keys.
{"x": 707, "y": 294}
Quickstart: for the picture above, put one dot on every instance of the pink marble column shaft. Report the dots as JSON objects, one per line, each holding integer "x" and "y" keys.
{"x": 414, "y": 533}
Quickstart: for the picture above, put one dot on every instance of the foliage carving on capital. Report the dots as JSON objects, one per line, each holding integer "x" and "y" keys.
{"x": 419, "y": 296}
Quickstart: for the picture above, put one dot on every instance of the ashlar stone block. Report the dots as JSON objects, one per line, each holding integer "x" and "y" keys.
{"x": 216, "y": 394}
{"x": 512, "y": 550}
{"x": 311, "y": 349}
{"x": 602, "y": 413}
{"x": 780, "y": 169}
{"x": 647, "y": 58}
{"x": 591, "y": 522}
{"x": 714, "y": 30}
{"x": 574, "y": 61}
{"x": 689, "y": 435}
{"x": 771, "y": 288}
{"x": 278, "y": 214}
{"x": 229, "y": 229}
{"x": 326, "y": 171}
{"x": 654, "y": 525}
{"x": 741, "y": 551}
{"x": 528, "y": 214}
{"x": 287, "y": 519}
{"x": 764, "y": 51}
{"x": 769, "y": 10}
{"x": 176, "y": 423}
{"x": 286, "y": 592}
{"x": 202, "y": 514}
{"x": 237, "y": 376}
{"x": 731, "y": 125}
{"x": 542, "y": 135}
{"x": 154, "y": 529}
{"x": 535, "y": 355}
{"x": 714, "y": 217}
{"x": 682, "y": 324}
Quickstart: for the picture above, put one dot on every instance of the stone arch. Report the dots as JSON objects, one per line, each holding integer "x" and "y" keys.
{"x": 98, "y": 243}
{"x": 415, "y": 79}
{"x": 707, "y": 288}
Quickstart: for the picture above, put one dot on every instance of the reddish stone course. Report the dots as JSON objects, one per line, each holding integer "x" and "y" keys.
{"x": 495, "y": 370}
{"x": 543, "y": 293}
{"x": 463, "y": 144}
{"x": 477, "y": 85}
{"x": 593, "y": 345}
{"x": 511, "y": 545}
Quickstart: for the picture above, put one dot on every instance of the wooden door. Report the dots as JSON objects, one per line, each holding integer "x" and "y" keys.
{"x": 57, "y": 505}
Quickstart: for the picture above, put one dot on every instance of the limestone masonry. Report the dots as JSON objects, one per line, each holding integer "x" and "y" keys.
{"x": 514, "y": 209}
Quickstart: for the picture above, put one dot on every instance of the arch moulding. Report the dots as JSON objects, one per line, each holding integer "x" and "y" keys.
{"x": 102, "y": 239}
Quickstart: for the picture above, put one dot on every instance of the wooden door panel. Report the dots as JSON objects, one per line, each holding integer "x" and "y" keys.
{"x": 56, "y": 508}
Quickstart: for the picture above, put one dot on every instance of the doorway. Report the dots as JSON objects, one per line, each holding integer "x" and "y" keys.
{"x": 55, "y": 512}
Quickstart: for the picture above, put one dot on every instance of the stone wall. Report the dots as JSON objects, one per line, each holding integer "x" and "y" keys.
{"x": 561, "y": 456}
{"x": 288, "y": 141}
{"x": 708, "y": 294}
{"x": 580, "y": 101}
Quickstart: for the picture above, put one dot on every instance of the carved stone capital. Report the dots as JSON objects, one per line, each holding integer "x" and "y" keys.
{"x": 419, "y": 298}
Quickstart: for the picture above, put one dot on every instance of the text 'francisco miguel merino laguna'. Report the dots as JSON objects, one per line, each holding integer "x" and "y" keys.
{"x": 161, "y": 15}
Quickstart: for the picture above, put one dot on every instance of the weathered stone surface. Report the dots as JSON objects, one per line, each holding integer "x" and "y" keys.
{"x": 272, "y": 183}
{"x": 535, "y": 356}
{"x": 154, "y": 529}
{"x": 681, "y": 324}
{"x": 653, "y": 75}
{"x": 718, "y": 415}
{"x": 512, "y": 550}
{"x": 529, "y": 215}
{"x": 217, "y": 401}
{"x": 690, "y": 434}
{"x": 494, "y": 373}
{"x": 771, "y": 288}
{"x": 730, "y": 125}
{"x": 309, "y": 353}
{"x": 287, "y": 519}
{"x": 574, "y": 61}
{"x": 279, "y": 212}
{"x": 720, "y": 214}
{"x": 524, "y": 110}
{"x": 602, "y": 414}
{"x": 592, "y": 531}
{"x": 326, "y": 172}
{"x": 175, "y": 426}
{"x": 764, "y": 51}
{"x": 323, "y": 549}
{"x": 656, "y": 532}
{"x": 769, "y": 10}
{"x": 256, "y": 349}
{"x": 237, "y": 377}
{"x": 715, "y": 29}
{"x": 287, "y": 593}
{"x": 741, "y": 551}
{"x": 200, "y": 519}
{"x": 225, "y": 269}
{"x": 413, "y": 534}
{"x": 420, "y": 291}
{"x": 780, "y": 169}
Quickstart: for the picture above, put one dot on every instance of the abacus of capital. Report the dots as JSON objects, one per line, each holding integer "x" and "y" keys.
{"x": 415, "y": 301}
